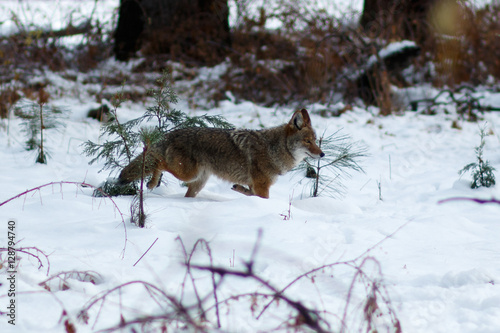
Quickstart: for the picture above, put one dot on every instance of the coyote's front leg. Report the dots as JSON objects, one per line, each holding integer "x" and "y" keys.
{"x": 260, "y": 191}
{"x": 242, "y": 189}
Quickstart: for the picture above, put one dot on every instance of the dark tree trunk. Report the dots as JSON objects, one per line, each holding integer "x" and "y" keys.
{"x": 187, "y": 30}
{"x": 407, "y": 18}
{"x": 130, "y": 26}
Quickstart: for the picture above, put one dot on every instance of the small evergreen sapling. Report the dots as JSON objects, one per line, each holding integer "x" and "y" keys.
{"x": 482, "y": 171}
{"x": 167, "y": 118}
{"x": 121, "y": 141}
{"x": 341, "y": 157}
{"x": 37, "y": 118}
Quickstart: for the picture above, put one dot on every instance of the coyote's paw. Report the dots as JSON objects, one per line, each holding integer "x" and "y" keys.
{"x": 242, "y": 189}
{"x": 154, "y": 183}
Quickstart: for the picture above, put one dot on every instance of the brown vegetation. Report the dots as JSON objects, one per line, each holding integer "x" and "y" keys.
{"x": 312, "y": 58}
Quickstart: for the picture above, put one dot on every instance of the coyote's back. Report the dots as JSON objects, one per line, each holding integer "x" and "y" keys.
{"x": 244, "y": 157}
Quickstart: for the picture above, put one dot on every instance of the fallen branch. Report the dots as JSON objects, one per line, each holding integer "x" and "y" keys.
{"x": 70, "y": 30}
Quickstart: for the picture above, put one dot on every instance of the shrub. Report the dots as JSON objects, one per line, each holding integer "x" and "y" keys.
{"x": 341, "y": 157}
{"x": 37, "y": 118}
{"x": 482, "y": 171}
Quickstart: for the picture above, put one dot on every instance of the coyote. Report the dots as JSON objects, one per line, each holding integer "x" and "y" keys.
{"x": 246, "y": 157}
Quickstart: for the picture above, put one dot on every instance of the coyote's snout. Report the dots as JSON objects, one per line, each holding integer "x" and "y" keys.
{"x": 245, "y": 157}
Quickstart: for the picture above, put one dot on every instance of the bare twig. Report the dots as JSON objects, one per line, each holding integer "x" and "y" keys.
{"x": 149, "y": 248}
{"x": 187, "y": 262}
{"x": 476, "y": 200}
{"x": 78, "y": 184}
{"x": 310, "y": 317}
{"x": 173, "y": 311}
{"x": 28, "y": 250}
{"x": 179, "y": 312}
{"x": 84, "y": 276}
{"x": 347, "y": 262}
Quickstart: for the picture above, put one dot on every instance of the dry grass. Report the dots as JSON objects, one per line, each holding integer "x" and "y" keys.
{"x": 469, "y": 52}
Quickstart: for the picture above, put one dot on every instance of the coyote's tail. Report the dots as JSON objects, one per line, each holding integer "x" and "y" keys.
{"x": 134, "y": 170}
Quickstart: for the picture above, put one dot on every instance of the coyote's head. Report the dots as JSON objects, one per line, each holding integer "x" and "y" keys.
{"x": 301, "y": 139}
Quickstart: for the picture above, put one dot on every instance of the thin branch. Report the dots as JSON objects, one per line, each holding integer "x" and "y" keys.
{"x": 347, "y": 262}
{"x": 187, "y": 262}
{"x": 78, "y": 184}
{"x": 149, "y": 248}
{"x": 27, "y": 250}
{"x": 476, "y": 200}
{"x": 85, "y": 276}
{"x": 70, "y": 30}
{"x": 178, "y": 309}
{"x": 310, "y": 317}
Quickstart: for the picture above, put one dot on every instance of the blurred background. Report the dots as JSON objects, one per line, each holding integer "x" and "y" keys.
{"x": 270, "y": 52}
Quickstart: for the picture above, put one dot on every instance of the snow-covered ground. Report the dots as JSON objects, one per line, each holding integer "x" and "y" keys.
{"x": 438, "y": 264}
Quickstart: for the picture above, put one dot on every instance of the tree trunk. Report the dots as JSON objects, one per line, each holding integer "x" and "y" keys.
{"x": 186, "y": 30}
{"x": 130, "y": 26}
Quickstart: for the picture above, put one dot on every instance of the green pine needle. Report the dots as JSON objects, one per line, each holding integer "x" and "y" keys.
{"x": 482, "y": 171}
{"x": 120, "y": 142}
{"x": 326, "y": 175}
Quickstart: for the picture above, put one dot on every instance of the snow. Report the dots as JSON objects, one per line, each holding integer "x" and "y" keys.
{"x": 19, "y": 15}
{"x": 16, "y": 15}
{"x": 390, "y": 49}
{"x": 439, "y": 264}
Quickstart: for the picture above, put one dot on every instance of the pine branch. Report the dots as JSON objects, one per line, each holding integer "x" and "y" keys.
{"x": 482, "y": 171}
{"x": 341, "y": 157}
{"x": 121, "y": 140}
{"x": 38, "y": 117}
{"x": 468, "y": 167}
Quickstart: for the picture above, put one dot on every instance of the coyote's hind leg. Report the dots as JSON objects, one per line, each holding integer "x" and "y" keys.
{"x": 195, "y": 186}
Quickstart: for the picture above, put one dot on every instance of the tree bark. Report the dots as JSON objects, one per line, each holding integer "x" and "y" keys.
{"x": 186, "y": 30}
{"x": 129, "y": 28}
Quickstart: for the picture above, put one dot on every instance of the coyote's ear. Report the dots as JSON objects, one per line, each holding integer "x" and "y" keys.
{"x": 300, "y": 119}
